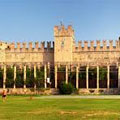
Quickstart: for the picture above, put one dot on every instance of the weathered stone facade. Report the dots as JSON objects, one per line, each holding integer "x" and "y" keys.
{"x": 64, "y": 51}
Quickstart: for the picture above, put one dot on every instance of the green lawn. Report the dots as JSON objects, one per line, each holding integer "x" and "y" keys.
{"x": 22, "y": 108}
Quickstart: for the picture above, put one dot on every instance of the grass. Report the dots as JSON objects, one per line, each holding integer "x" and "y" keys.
{"x": 22, "y": 108}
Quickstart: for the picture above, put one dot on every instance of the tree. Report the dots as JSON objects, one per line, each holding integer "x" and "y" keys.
{"x": 39, "y": 78}
{"x": 19, "y": 82}
{"x": 30, "y": 78}
{"x": 10, "y": 77}
{"x": 1, "y": 78}
{"x": 103, "y": 72}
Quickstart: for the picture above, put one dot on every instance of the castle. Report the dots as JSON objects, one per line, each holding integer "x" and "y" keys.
{"x": 64, "y": 51}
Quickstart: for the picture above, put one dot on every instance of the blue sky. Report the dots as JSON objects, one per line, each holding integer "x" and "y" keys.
{"x": 33, "y": 20}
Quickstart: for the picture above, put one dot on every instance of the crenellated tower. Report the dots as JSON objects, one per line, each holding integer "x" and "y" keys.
{"x": 3, "y": 46}
{"x": 64, "y": 41}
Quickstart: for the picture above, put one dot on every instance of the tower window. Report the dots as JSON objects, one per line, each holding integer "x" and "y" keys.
{"x": 62, "y": 44}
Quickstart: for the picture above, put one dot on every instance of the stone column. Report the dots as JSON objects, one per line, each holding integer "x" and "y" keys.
{"x": 108, "y": 76}
{"x": 48, "y": 70}
{"x": 66, "y": 74}
{"x": 56, "y": 76}
{"x": 24, "y": 76}
{"x": 4, "y": 77}
{"x": 45, "y": 76}
{"x": 97, "y": 77}
{"x": 77, "y": 77}
{"x": 87, "y": 77}
{"x": 118, "y": 76}
{"x": 14, "y": 76}
{"x": 35, "y": 76}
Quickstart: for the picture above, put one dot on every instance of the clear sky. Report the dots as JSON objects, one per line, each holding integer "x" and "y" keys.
{"x": 33, "y": 20}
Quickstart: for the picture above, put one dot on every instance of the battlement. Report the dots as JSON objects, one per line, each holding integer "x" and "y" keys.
{"x": 3, "y": 45}
{"x": 30, "y": 47}
{"x": 48, "y": 46}
{"x": 62, "y": 31}
{"x": 103, "y": 45}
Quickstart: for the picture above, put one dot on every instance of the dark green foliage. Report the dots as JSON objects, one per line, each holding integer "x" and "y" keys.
{"x": 10, "y": 77}
{"x": 52, "y": 77}
{"x": 82, "y": 75}
{"x": 40, "y": 78}
{"x": 92, "y": 72}
{"x": 61, "y": 69}
{"x": 1, "y": 78}
{"x": 30, "y": 78}
{"x": 72, "y": 78}
{"x": 19, "y": 79}
{"x": 103, "y": 78}
{"x": 66, "y": 88}
{"x": 92, "y": 77}
{"x": 103, "y": 73}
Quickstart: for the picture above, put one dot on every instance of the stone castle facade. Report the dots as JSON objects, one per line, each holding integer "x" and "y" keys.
{"x": 64, "y": 51}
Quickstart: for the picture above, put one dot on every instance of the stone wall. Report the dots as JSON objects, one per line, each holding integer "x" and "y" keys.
{"x": 99, "y": 58}
{"x": 99, "y": 53}
{"x": 53, "y": 91}
{"x": 63, "y": 51}
{"x": 28, "y": 91}
{"x": 24, "y": 54}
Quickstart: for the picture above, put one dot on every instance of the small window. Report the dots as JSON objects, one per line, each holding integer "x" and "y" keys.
{"x": 62, "y": 44}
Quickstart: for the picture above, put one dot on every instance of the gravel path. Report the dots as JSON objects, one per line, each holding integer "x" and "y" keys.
{"x": 81, "y": 97}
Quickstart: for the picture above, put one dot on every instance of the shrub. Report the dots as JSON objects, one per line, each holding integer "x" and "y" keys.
{"x": 30, "y": 78}
{"x": 66, "y": 88}
{"x": 19, "y": 82}
{"x": 9, "y": 79}
{"x": 40, "y": 78}
{"x": 1, "y": 78}
{"x": 103, "y": 73}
